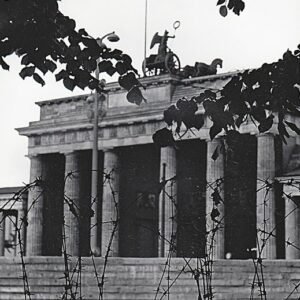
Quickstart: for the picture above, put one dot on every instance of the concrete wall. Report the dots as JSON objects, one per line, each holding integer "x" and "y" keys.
{"x": 138, "y": 278}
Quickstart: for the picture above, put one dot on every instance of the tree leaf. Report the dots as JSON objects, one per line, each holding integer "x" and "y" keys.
{"x": 38, "y": 79}
{"x": 69, "y": 83}
{"x": 221, "y": 2}
{"x": 25, "y": 60}
{"x": 238, "y": 7}
{"x": 128, "y": 80}
{"x": 90, "y": 65}
{"x": 135, "y": 95}
{"x": 266, "y": 124}
{"x": 282, "y": 130}
{"x": 61, "y": 75}
{"x": 3, "y": 64}
{"x": 51, "y": 66}
{"x": 127, "y": 61}
{"x": 231, "y": 4}
{"x": 121, "y": 68}
{"x": 239, "y": 120}
{"x": 171, "y": 115}
{"x": 293, "y": 127}
{"x": 223, "y": 11}
{"x": 258, "y": 113}
{"x": 214, "y": 130}
{"x": 93, "y": 84}
{"x": 42, "y": 67}
{"x": 104, "y": 65}
{"x": 199, "y": 99}
{"x": 91, "y": 44}
{"x": 82, "y": 32}
{"x": 27, "y": 71}
{"x": 216, "y": 153}
{"x": 111, "y": 71}
{"x": 116, "y": 54}
{"x": 197, "y": 121}
{"x": 163, "y": 138}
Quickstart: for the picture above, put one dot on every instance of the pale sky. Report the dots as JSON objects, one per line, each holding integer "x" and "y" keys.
{"x": 262, "y": 33}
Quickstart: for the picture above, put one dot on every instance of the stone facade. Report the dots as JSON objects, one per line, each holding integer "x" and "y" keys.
{"x": 132, "y": 169}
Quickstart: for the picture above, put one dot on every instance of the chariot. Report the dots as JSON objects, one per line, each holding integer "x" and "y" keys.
{"x": 165, "y": 61}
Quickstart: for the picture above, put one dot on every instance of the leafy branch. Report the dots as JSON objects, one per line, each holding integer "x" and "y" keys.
{"x": 264, "y": 96}
{"x": 48, "y": 41}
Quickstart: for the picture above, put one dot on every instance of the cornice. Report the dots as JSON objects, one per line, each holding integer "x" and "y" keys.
{"x": 152, "y": 81}
{"x": 201, "y": 79}
{"x": 39, "y": 128}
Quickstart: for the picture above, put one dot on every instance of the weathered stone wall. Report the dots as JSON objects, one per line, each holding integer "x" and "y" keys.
{"x": 138, "y": 278}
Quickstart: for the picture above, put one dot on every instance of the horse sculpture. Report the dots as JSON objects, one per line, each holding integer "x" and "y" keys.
{"x": 201, "y": 69}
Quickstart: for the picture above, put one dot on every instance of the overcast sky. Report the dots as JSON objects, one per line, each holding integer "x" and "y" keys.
{"x": 263, "y": 32}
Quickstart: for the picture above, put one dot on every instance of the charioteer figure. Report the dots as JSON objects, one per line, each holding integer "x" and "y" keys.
{"x": 165, "y": 61}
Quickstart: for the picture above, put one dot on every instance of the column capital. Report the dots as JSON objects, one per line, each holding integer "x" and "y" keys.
{"x": 69, "y": 152}
{"x": 268, "y": 133}
{"x": 216, "y": 138}
{"x": 109, "y": 149}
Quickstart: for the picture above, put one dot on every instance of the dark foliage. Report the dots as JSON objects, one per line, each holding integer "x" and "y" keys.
{"x": 265, "y": 96}
{"x": 237, "y": 6}
{"x": 46, "y": 40}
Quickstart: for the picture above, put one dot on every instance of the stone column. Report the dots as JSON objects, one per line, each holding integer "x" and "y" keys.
{"x": 265, "y": 202}
{"x": 2, "y": 233}
{"x": 21, "y": 225}
{"x": 167, "y": 203}
{"x": 71, "y": 204}
{"x": 215, "y": 180}
{"x": 292, "y": 228}
{"x": 34, "y": 241}
{"x": 110, "y": 204}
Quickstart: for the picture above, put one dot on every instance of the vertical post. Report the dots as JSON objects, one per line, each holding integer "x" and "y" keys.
{"x": 265, "y": 209}
{"x": 145, "y": 41}
{"x": 2, "y": 233}
{"x": 95, "y": 240}
{"x": 214, "y": 174}
{"x": 71, "y": 204}
{"x": 95, "y": 226}
{"x": 34, "y": 242}
{"x": 168, "y": 199}
{"x": 110, "y": 205}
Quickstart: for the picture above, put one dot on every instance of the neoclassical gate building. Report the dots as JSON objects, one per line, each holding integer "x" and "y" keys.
{"x": 131, "y": 168}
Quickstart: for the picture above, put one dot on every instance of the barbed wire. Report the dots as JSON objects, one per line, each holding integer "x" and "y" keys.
{"x": 202, "y": 274}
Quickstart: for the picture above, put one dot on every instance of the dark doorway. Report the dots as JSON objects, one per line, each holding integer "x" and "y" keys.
{"x": 191, "y": 178}
{"x": 240, "y": 197}
{"x": 139, "y": 201}
{"x": 53, "y": 176}
{"x": 85, "y": 172}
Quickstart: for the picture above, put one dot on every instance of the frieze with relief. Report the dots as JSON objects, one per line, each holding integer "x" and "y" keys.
{"x": 105, "y": 134}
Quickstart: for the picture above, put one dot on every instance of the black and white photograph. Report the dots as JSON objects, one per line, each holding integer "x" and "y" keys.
{"x": 150, "y": 150}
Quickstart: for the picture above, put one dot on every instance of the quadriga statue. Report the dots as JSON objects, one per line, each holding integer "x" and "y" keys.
{"x": 201, "y": 69}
